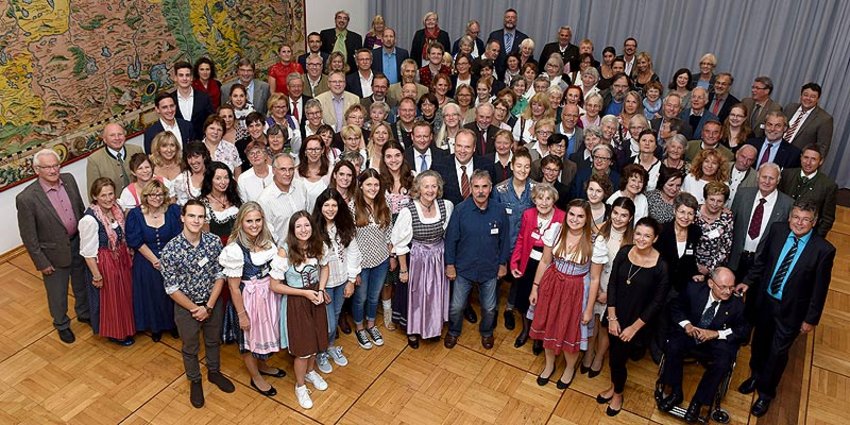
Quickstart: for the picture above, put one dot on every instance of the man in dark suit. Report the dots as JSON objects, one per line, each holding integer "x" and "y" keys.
{"x": 314, "y": 45}
{"x": 464, "y": 160}
{"x": 569, "y": 52}
{"x": 473, "y": 28}
{"x": 710, "y": 322}
{"x": 790, "y": 278}
{"x": 810, "y": 184}
{"x": 359, "y": 82}
{"x": 484, "y": 130}
{"x": 771, "y": 147}
{"x": 508, "y": 37}
{"x": 297, "y": 99}
{"x": 809, "y": 122}
{"x": 192, "y": 105}
{"x": 760, "y": 104}
{"x": 166, "y": 109}
{"x": 380, "y": 85}
{"x": 671, "y": 108}
{"x": 720, "y": 101}
{"x": 424, "y": 155}
{"x": 629, "y": 50}
{"x": 257, "y": 91}
{"x": 387, "y": 59}
{"x": 48, "y": 212}
{"x": 350, "y": 41}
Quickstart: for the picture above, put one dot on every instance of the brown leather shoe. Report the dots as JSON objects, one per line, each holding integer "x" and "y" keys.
{"x": 450, "y": 341}
{"x": 487, "y": 342}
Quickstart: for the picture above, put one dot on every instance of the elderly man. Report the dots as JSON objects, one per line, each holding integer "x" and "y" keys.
{"x": 711, "y": 134}
{"x": 388, "y": 59}
{"x": 192, "y": 105}
{"x": 297, "y": 99}
{"x": 314, "y": 80}
{"x": 409, "y": 69}
{"x": 741, "y": 172}
{"x": 575, "y": 135}
{"x": 771, "y": 147}
{"x": 477, "y": 251}
{"x": 113, "y": 160}
{"x": 720, "y": 101}
{"x": 48, "y": 212}
{"x": 336, "y": 101}
{"x": 613, "y": 97}
{"x": 809, "y": 122}
{"x": 403, "y": 127}
{"x": 341, "y": 39}
{"x": 569, "y": 52}
{"x": 485, "y": 131}
{"x": 359, "y": 82}
{"x": 473, "y": 28}
{"x": 283, "y": 198}
{"x": 258, "y": 91}
{"x": 808, "y": 183}
{"x": 696, "y": 116}
{"x": 671, "y": 108}
{"x": 314, "y": 46}
{"x": 760, "y": 103}
{"x": 166, "y": 109}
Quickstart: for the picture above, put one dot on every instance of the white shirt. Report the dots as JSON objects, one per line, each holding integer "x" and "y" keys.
{"x": 469, "y": 169}
{"x": 805, "y": 116}
{"x": 250, "y": 186}
{"x": 175, "y": 129}
{"x": 629, "y": 65}
{"x": 641, "y": 204}
{"x": 186, "y": 104}
{"x": 279, "y": 206}
{"x": 735, "y": 179}
{"x": 366, "y": 83}
{"x": 751, "y": 245}
{"x": 694, "y": 186}
{"x": 402, "y": 233}
{"x": 654, "y": 170}
{"x": 722, "y": 333}
{"x": 417, "y": 160}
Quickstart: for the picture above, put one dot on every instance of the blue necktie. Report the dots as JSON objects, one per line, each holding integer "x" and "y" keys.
{"x": 423, "y": 164}
{"x": 708, "y": 315}
{"x": 776, "y": 284}
{"x": 509, "y": 42}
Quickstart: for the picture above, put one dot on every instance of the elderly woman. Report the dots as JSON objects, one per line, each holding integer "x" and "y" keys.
{"x": 418, "y": 240}
{"x": 188, "y": 184}
{"x": 674, "y": 154}
{"x": 553, "y": 68}
{"x": 278, "y": 107}
{"x": 602, "y": 157}
{"x": 706, "y": 76}
{"x": 661, "y": 199}
{"x": 220, "y": 150}
{"x": 103, "y": 245}
{"x": 526, "y": 52}
{"x": 708, "y": 166}
{"x": 423, "y": 38}
{"x": 277, "y": 138}
{"x": 142, "y": 172}
{"x": 716, "y": 222}
{"x": 252, "y": 182}
{"x": 167, "y": 158}
{"x": 149, "y": 227}
{"x": 588, "y": 83}
{"x": 647, "y": 159}
{"x": 592, "y": 108}
{"x": 632, "y": 186}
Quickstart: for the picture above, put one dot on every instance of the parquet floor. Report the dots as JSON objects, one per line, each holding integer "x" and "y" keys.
{"x": 45, "y": 381}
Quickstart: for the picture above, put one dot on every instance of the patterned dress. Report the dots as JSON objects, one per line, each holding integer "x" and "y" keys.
{"x": 715, "y": 244}
{"x": 303, "y": 325}
{"x": 397, "y": 202}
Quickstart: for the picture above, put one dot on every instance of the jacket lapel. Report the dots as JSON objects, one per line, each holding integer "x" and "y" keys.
{"x": 42, "y": 198}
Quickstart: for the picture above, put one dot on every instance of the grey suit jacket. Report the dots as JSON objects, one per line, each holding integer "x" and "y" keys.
{"x": 261, "y": 94}
{"x": 102, "y": 164}
{"x": 41, "y": 229}
{"x": 817, "y": 128}
{"x": 750, "y": 180}
{"x": 758, "y": 131}
{"x": 742, "y": 208}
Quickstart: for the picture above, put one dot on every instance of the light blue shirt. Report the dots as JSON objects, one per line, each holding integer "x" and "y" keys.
{"x": 789, "y": 242}
{"x": 774, "y": 147}
{"x": 390, "y": 65}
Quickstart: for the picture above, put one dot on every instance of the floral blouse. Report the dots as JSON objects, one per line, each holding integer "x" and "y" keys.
{"x": 716, "y": 241}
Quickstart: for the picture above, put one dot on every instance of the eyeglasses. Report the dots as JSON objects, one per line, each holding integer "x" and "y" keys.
{"x": 804, "y": 220}
{"x": 256, "y": 152}
{"x": 755, "y": 87}
{"x": 155, "y": 195}
{"x": 601, "y": 158}
{"x": 550, "y": 170}
{"x": 48, "y": 167}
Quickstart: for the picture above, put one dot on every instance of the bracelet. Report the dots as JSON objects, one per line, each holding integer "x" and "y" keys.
{"x": 239, "y": 313}
{"x": 535, "y": 284}
{"x": 208, "y": 308}
{"x": 403, "y": 272}
{"x": 612, "y": 319}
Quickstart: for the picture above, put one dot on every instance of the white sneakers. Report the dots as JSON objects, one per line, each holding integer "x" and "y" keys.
{"x": 318, "y": 382}
{"x": 303, "y": 394}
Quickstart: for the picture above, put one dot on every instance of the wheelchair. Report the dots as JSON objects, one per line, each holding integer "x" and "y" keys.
{"x": 716, "y": 413}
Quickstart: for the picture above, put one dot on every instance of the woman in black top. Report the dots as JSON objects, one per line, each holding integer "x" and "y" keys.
{"x": 636, "y": 290}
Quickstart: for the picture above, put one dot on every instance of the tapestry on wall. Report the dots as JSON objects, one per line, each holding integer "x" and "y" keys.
{"x": 67, "y": 67}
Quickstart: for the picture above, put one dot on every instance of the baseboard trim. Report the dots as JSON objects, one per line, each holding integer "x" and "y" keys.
{"x": 8, "y": 255}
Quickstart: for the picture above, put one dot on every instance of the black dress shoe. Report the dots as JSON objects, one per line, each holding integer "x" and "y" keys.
{"x": 602, "y": 400}
{"x": 156, "y": 336}
{"x": 543, "y": 381}
{"x": 196, "y": 394}
{"x": 469, "y": 315}
{"x": 271, "y": 392}
{"x": 748, "y": 386}
{"x": 279, "y": 374}
{"x": 521, "y": 339}
{"x": 582, "y": 369}
{"x": 126, "y": 342}
{"x": 593, "y": 373}
{"x": 694, "y": 410}
{"x": 413, "y": 342}
{"x": 760, "y": 407}
{"x": 537, "y": 348}
{"x": 220, "y": 381}
{"x": 510, "y": 323}
{"x": 671, "y": 401}
{"x": 174, "y": 333}
{"x": 67, "y": 335}
{"x": 344, "y": 326}
{"x": 450, "y": 341}
{"x": 85, "y": 320}
{"x": 612, "y": 412}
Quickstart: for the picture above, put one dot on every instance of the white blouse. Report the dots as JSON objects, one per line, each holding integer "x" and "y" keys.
{"x": 403, "y": 229}
{"x": 600, "y": 248}
{"x": 694, "y": 187}
{"x": 183, "y": 189}
{"x": 343, "y": 262}
{"x": 232, "y": 260}
{"x": 641, "y": 204}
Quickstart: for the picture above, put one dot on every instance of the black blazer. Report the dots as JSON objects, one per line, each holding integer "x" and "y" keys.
{"x": 451, "y": 186}
{"x": 378, "y": 60}
{"x": 501, "y": 173}
{"x": 787, "y": 155}
{"x": 438, "y": 157}
{"x": 478, "y": 43}
{"x": 490, "y": 137}
{"x": 302, "y": 116}
{"x": 682, "y": 269}
{"x": 187, "y": 132}
{"x": 201, "y": 110}
{"x": 352, "y": 84}
{"x": 570, "y": 55}
{"x": 806, "y": 284}
{"x": 687, "y": 131}
{"x": 689, "y": 306}
{"x": 725, "y": 108}
{"x": 303, "y": 59}
{"x": 353, "y": 41}
{"x": 499, "y": 35}
{"x": 419, "y": 42}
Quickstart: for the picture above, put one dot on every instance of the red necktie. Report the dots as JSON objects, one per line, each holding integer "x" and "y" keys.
{"x": 755, "y": 221}
{"x": 766, "y": 156}
{"x": 295, "y": 110}
{"x": 716, "y": 107}
{"x": 483, "y": 143}
{"x": 793, "y": 128}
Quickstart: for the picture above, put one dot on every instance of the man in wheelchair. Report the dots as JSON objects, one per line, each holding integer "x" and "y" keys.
{"x": 708, "y": 322}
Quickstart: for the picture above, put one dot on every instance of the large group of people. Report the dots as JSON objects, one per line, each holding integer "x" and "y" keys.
{"x": 627, "y": 217}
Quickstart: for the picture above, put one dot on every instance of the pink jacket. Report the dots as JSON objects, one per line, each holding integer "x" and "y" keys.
{"x": 524, "y": 241}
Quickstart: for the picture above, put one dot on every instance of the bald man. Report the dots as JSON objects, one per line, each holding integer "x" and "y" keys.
{"x": 113, "y": 160}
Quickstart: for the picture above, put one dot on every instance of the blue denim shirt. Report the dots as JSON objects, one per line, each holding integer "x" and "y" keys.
{"x": 515, "y": 205}
{"x": 478, "y": 241}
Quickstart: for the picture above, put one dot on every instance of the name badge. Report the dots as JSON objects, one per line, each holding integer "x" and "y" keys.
{"x": 494, "y": 231}
{"x": 203, "y": 261}
{"x": 689, "y": 251}
{"x": 535, "y": 236}
{"x": 114, "y": 225}
{"x": 509, "y": 211}
{"x": 536, "y": 255}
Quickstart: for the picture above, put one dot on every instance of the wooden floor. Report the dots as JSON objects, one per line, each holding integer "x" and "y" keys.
{"x": 91, "y": 381}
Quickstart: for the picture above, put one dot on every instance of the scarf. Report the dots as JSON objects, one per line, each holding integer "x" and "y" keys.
{"x": 430, "y": 36}
{"x": 110, "y": 232}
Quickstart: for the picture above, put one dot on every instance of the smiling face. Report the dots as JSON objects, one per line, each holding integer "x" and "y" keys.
{"x": 644, "y": 237}
{"x": 710, "y": 167}
{"x": 283, "y": 170}
{"x": 595, "y": 193}
{"x": 214, "y": 132}
{"x": 114, "y": 136}
{"x": 544, "y": 203}
{"x": 801, "y": 222}
{"x": 737, "y": 116}
{"x": 422, "y": 137}
{"x": 768, "y": 179}
{"x": 521, "y": 167}
{"x": 810, "y": 161}
{"x": 774, "y": 127}
{"x": 228, "y": 116}
{"x": 314, "y": 151}
{"x": 48, "y": 169}
{"x": 276, "y": 142}
{"x": 370, "y": 188}
{"x": 246, "y": 74}
{"x": 196, "y": 164}
{"x": 204, "y": 72}
{"x": 144, "y": 172}
{"x": 183, "y": 77}
{"x": 329, "y": 209}
{"x": 303, "y": 229}
{"x": 252, "y": 224}
{"x": 255, "y": 129}
{"x": 684, "y": 216}
{"x": 809, "y": 99}
{"x": 635, "y": 184}
{"x": 428, "y": 189}
{"x": 193, "y": 218}
{"x": 576, "y": 218}
{"x": 166, "y": 109}
{"x": 393, "y": 158}
{"x": 620, "y": 218}
{"x": 343, "y": 177}
{"x": 238, "y": 98}
{"x": 285, "y": 54}
{"x": 106, "y": 197}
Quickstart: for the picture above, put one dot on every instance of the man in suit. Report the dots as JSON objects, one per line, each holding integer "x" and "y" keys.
{"x": 697, "y": 115}
{"x": 258, "y": 91}
{"x": 473, "y": 28}
{"x": 808, "y": 183}
{"x": 720, "y": 101}
{"x": 359, "y": 82}
{"x": 492, "y": 51}
{"x": 741, "y": 172}
{"x": 770, "y": 146}
{"x": 424, "y": 155}
{"x": 790, "y": 278}
{"x": 711, "y": 322}
{"x": 48, "y": 212}
{"x": 760, "y": 103}
{"x": 409, "y": 69}
{"x": 403, "y": 127}
{"x": 296, "y": 98}
{"x": 671, "y": 108}
{"x": 508, "y": 37}
{"x": 192, "y": 105}
{"x": 569, "y": 52}
{"x": 341, "y": 39}
{"x": 809, "y": 122}
{"x": 485, "y": 131}
{"x": 711, "y": 133}
{"x": 314, "y": 80}
{"x": 166, "y": 108}
{"x": 380, "y": 85}
{"x": 314, "y": 46}
{"x": 464, "y": 160}
{"x": 336, "y": 101}
{"x": 629, "y": 49}
{"x": 113, "y": 160}
{"x": 387, "y": 60}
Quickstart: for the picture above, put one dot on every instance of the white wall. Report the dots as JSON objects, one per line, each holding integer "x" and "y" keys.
{"x": 320, "y": 14}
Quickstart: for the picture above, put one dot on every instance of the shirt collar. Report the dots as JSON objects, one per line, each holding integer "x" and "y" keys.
{"x": 770, "y": 198}
{"x": 115, "y": 153}
{"x": 803, "y": 239}
{"x": 48, "y": 187}
{"x": 811, "y": 176}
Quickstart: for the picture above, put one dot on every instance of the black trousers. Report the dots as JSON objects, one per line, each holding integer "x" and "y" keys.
{"x": 772, "y": 338}
{"x": 619, "y": 353}
{"x": 720, "y": 352}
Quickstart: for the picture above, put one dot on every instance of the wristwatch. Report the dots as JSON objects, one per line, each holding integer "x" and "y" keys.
{"x": 208, "y": 308}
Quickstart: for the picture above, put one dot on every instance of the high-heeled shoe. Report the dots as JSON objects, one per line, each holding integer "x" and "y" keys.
{"x": 582, "y": 369}
{"x": 593, "y": 373}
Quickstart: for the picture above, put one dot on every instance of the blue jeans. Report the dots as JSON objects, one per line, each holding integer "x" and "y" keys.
{"x": 334, "y": 308}
{"x": 488, "y": 297}
{"x": 367, "y": 294}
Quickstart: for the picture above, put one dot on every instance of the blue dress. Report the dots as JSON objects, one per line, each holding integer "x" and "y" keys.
{"x": 152, "y": 307}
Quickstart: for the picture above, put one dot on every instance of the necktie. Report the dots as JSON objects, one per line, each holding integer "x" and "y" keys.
{"x": 464, "y": 182}
{"x": 124, "y": 177}
{"x": 793, "y": 128}
{"x": 509, "y": 42}
{"x": 339, "y": 45}
{"x": 766, "y": 156}
{"x": 295, "y": 110}
{"x": 755, "y": 221}
{"x": 483, "y": 142}
{"x": 423, "y": 163}
{"x": 776, "y": 284}
{"x": 708, "y": 315}
{"x": 755, "y": 117}
{"x": 716, "y": 108}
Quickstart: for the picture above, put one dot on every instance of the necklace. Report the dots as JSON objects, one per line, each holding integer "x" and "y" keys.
{"x": 631, "y": 275}
{"x": 427, "y": 208}
{"x": 220, "y": 202}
